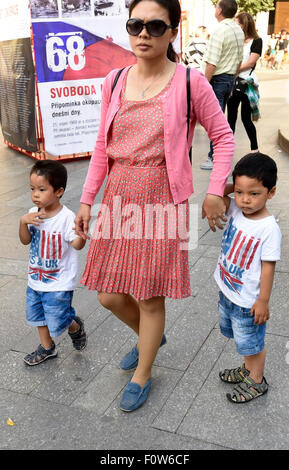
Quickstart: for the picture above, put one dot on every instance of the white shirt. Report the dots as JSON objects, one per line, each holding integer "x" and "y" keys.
{"x": 53, "y": 260}
{"x": 246, "y": 56}
{"x": 245, "y": 244}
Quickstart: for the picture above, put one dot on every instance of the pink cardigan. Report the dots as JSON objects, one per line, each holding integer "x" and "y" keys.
{"x": 204, "y": 108}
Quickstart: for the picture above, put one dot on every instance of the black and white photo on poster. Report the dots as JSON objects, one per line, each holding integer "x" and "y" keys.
{"x": 110, "y": 7}
{"x": 71, "y": 8}
{"x": 44, "y": 9}
{"x": 17, "y": 93}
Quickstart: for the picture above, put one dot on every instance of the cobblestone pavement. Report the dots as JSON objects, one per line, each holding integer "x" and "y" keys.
{"x": 72, "y": 402}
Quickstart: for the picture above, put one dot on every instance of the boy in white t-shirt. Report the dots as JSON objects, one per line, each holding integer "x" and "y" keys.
{"x": 52, "y": 273}
{"x": 251, "y": 246}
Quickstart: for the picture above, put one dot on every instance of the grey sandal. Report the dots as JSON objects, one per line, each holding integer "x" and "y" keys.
{"x": 234, "y": 376}
{"x": 248, "y": 390}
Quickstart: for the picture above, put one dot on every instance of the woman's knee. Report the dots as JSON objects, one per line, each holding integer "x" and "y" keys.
{"x": 111, "y": 301}
{"x": 153, "y": 305}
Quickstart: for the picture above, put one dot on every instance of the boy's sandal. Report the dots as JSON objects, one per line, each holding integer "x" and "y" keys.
{"x": 40, "y": 355}
{"x": 234, "y": 376}
{"x": 248, "y": 390}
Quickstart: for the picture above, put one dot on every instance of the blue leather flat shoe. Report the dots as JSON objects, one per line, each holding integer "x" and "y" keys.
{"x": 134, "y": 396}
{"x": 130, "y": 360}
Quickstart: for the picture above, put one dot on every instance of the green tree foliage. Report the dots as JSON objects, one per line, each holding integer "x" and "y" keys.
{"x": 253, "y": 6}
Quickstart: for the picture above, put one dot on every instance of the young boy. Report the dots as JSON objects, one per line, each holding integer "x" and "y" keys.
{"x": 52, "y": 273}
{"x": 251, "y": 246}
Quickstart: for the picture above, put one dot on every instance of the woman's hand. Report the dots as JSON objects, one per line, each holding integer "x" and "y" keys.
{"x": 82, "y": 221}
{"x": 214, "y": 208}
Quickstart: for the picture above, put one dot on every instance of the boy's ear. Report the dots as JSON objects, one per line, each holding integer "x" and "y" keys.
{"x": 272, "y": 192}
{"x": 59, "y": 192}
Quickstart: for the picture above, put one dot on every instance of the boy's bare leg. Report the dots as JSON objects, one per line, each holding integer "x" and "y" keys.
{"x": 151, "y": 329}
{"x": 74, "y": 327}
{"x": 255, "y": 364}
{"x": 45, "y": 337}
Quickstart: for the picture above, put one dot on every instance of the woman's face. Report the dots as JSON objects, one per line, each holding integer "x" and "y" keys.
{"x": 144, "y": 45}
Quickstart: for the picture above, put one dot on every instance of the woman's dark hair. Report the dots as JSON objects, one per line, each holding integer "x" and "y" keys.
{"x": 53, "y": 171}
{"x": 174, "y": 9}
{"x": 258, "y": 166}
{"x": 248, "y": 23}
{"x": 229, "y": 8}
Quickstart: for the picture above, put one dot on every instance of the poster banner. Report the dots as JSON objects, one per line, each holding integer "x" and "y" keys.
{"x": 77, "y": 43}
{"x": 17, "y": 75}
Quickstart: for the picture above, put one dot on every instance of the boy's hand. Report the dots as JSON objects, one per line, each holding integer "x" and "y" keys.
{"x": 33, "y": 218}
{"x": 261, "y": 311}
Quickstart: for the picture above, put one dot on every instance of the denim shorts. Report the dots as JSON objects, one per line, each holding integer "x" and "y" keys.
{"x": 51, "y": 309}
{"x": 238, "y": 323}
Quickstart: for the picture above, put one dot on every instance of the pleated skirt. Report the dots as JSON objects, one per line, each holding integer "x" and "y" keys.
{"x": 136, "y": 247}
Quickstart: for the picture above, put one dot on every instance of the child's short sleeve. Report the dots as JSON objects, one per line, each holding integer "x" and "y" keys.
{"x": 271, "y": 246}
{"x": 70, "y": 234}
{"x": 232, "y": 208}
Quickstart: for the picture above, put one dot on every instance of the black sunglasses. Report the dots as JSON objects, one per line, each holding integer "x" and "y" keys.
{"x": 155, "y": 28}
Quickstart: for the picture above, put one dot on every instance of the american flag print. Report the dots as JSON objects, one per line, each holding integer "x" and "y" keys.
{"x": 45, "y": 252}
{"x": 237, "y": 255}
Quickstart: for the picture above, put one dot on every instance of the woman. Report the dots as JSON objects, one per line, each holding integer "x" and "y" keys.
{"x": 142, "y": 143}
{"x": 252, "y": 52}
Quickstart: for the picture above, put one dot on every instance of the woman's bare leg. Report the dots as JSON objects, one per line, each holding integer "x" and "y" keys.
{"x": 123, "y": 306}
{"x": 151, "y": 329}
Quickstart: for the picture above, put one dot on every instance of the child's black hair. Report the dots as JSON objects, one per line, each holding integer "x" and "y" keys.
{"x": 259, "y": 166}
{"x": 53, "y": 171}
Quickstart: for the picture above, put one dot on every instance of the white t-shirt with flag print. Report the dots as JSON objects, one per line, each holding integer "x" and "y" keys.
{"x": 53, "y": 261}
{"x": 245, "y": 244}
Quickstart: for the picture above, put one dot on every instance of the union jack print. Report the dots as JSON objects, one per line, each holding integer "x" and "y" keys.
{"x": 46, "y": 245}
{"x": 238, "y": 250}
{"x": 45, "y": 251}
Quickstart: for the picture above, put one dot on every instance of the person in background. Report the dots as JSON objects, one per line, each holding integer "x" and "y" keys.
{"x": 281, "y": 46}
{"x": 223, "y": 58}
{"x": 272, "y": 44}
{"x": 195, "y": 49}
{"x": 252, "y": 52}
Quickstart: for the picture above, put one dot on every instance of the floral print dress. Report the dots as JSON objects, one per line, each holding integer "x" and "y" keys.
{"x": 136, "y": 248}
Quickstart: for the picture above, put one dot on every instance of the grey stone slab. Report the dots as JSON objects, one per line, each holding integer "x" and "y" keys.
{"x": 19, "y": 377}
{"x": 14, "y": 267}
{"x": 190, "y": 384}
{"x": 261, "y": 424}
{"x": 11, "y": 248}
{"x": 7, "y": 211}
{"x": 164, "y": 381}
{"x": 12, "y": 313}
{"x": 212, "y": 238}
{"x": 102, "y": 390}
{"x": 5, "y": 279}
{"x": 106, "y": 340}
{"x": 86, "y": 431}
{"x": 66, "y": 382}
{"x": 279, "y": 321}
{"x": 185, "y": 339}
{"x": 201, "y": 271}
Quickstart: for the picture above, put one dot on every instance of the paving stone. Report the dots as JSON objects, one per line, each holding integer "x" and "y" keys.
{"x": 190, "y": 384}
{"x": 164, "y": 381}
{"x": 65, "y": 383}
{"x": 261, "y": 424}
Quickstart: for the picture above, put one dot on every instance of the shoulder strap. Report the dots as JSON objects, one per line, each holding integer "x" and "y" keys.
{"x": 188, "y": 100}
{"x": 189, "y": 106}
{"x": 116, "y": 79}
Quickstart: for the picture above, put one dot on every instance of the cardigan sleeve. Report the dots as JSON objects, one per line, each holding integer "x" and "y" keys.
{"x": 98, "y": 165}
{"x": 210, "y": 115}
